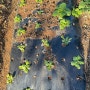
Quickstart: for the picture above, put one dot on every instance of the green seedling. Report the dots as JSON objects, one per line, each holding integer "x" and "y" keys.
{"x": 22, "y": 3}
{"x": 21, "y": 47}
{"x": 39, "y": 1}
{"x": 37, "y": 25}
{"x": 45, "y": 42}
{"x": 40, "y": 11}
{"x": 62, "y": 11}
{"x": 65, "y": 40}
{"x": 20, "y": 32}
{"x": 64, "y": 23}
{"x": 25, "y": 67}
{"x": 49, "y": 64}
{"x": 76, "y": 12}
{"x": 17, "y": 19}
{"x": 10, "y": 78}
{"x": 28, "y": 88}
{"x": 84, "y": 5}
{"x": 77, "y": 62}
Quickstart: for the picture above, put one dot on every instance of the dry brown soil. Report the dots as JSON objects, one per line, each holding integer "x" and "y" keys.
{"x": 6, "y": 26}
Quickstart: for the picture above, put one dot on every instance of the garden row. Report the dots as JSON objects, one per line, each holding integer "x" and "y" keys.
{"x": 63, "y": 13}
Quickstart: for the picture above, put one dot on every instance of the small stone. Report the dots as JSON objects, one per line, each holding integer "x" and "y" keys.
{"x": 36, "y": 47}
{"x": 37, "y": 55}
{"x": 63, "y": 59}
{"x": 73, "y": 24}
{"x": 79, "y": 78}
{"x": 49, "y": 77}
{"x": 85, "y": 16}
{"x": 12, "y": 59}
{"x": 35, "y": 61}
{"x": 34, "y": 76}
{"x": 62, "y": 78}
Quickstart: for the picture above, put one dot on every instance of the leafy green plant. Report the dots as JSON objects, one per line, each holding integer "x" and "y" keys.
{"x": 22, "y": 3}
{"x": 61, "y": 11}
{"x": 65, "y": 40}
{"x": 39, "y": 1}
{"x": 76, "y": 12}
{"x": 49, "y": 64}
{"x": 77, "y": 62}
{"x": 25, "y": 66}
{"x": 82, "y": 7}
{"x": 45, "y": 42}
{"x": 17, "y": 18}
{"x": 28, "y": 88}
{"x": 21, "y": 47}
{"x": 20, "y": 32}
{"x": 9, "y": 78}
{"x": 37, "y": 25}
{"x": 64, "y": 23}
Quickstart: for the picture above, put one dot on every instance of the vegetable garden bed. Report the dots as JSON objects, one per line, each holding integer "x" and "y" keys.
{"x": 44, "y": 46}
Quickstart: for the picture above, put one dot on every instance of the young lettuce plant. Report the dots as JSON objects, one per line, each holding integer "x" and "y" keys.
{"x": 65, "y": 40}
{"x": 39, "y": 1}
{"x": 10, "y": 78}
{"x": 83, "y": 7}
{"x": 21, "y": 47}
{"x": 64, "y": 23}
{"x": 17, "y": 18}
{"x": 22, "y": 3}
{"x": 61, "y": 11}
{"x": 20, "y": 32}
{"x": 49, "y": 64}
{"x": 76, "y": 12}
{"x": 25, "y": 67}
{"x": 45, "y": 42}
{"x": 77, "y": 62}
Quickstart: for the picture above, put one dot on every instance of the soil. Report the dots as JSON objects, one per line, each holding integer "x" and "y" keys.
{"x": 6, "y": 26}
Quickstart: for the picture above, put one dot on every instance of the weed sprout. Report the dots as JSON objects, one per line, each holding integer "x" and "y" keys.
{"x": 9, "y": 78}
{"x": 21, "y": 47}
{"x": 22, "y": 3}
{"x": 25, "y": 66}
{"x": 45, "y": 42}
{"x": 20, "y": 32}
{"x": 39, "y": 1}
{"x": 49, "y": 64}
{"x": 17, "y": 19}
{"x": 65, "y": 40}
